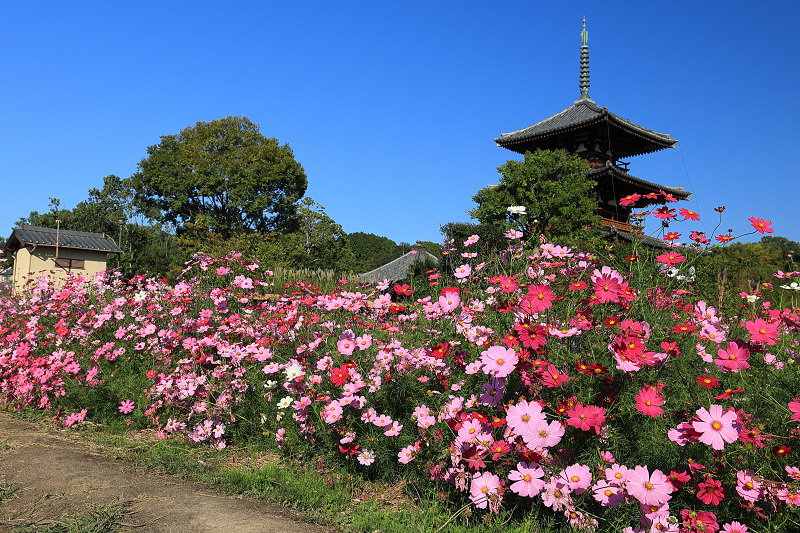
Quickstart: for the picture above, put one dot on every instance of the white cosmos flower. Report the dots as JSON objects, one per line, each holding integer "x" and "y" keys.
{"x": 517, "y": 209}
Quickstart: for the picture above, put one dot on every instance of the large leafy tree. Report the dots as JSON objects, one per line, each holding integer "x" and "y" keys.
{"x": 224, "y": 175}
{"x": 558, "y": 198}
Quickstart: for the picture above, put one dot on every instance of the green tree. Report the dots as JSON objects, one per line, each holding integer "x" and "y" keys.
{"x": 371, "y": 251}
{"x": 320, "y": 242}
{"x": 224, "y": 175}
{"x": 558, "y": 198}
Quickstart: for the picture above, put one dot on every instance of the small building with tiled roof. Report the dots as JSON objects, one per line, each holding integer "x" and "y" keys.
{"x": 57, "y": 253}
{"x": 602, "y": 139}
{"x": 397, "y": 269}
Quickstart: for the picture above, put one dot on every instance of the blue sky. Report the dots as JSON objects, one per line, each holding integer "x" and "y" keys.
{"x": 392, "y": 107}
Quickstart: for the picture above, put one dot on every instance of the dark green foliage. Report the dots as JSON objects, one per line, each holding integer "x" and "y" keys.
{"x": 372, "y": 251}
{"x": 558, "y": 197}
{"x": 224, "y": 175}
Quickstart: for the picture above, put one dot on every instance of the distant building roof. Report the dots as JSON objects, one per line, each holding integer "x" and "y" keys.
{"x": 627, "y": 138}
{"x": 79, "y": 240}
{"x": 398, "y": 269}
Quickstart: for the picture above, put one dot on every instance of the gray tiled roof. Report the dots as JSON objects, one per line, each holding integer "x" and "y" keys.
{"x": 81, "y": 240}
{"x": 618, "y": 173}
{"x": 397, "y": 269}
{"x": 581, "y": 113}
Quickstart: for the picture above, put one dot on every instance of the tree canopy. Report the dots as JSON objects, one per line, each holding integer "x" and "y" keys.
{"x": 552, "y": 187}
{"x": 224, "y": 175}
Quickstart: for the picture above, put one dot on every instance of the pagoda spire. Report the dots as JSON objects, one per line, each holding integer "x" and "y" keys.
{"x": 584, "y": 77}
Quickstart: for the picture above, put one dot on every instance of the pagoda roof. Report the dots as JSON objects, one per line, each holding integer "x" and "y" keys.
{"x": 628, "y": 138}
{"x": 637, "y": 184}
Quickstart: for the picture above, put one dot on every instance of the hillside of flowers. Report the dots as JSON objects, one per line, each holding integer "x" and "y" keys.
{"x": 602, "y": 392}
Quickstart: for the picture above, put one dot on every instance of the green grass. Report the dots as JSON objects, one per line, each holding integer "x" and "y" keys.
{"x": 104, "y": 517}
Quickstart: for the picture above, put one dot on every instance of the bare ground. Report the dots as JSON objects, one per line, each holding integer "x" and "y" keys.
{"x": 58, "y": 474}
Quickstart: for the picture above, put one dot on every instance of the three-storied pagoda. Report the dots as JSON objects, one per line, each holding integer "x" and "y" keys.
{"x": 602, "y": 139}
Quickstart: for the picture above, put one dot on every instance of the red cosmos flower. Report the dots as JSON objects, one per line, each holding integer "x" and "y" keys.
{"x": 668, "y": 197}
{"x": 611, "y": 321}
{"x": 724, "y": 238}
{"x": 719, "y": 209}
{"x": 630, "y": 199}
{"x": 672, "y": 235}
{"x": 678, "y": 479}
{"x": 664, "y": 213}
{"x": 351, "y": 449}
{"x": 553, "y": 378}
{"x": 403, "y": 290}
{"x": 761, "y": 225}
{"x": 651, "y": 196}
{"x": 685, "y": 327}
{"x": 596, "y": 369}
{"x": 441, "y": 351}
{"x": 338, "y": 376}
{"x": 781, "y": 450}
{"x": 699, "y": 237}
{"x": 577, "y": 286}
{"x": 708, "y": 382}
{"x": 670, "y": 258}
{"x": 688, "y": 214}
{"x": 499, "y": 449}
{"x": 508, "y": 284}
{"x": 710, "y": 491}
{"x": 449, "y": 289}
{"x": 509, "y": 340}
{"x": 396, "y": 308}
{"x": 727, "y": 394}
{"x": 632, "y": 257}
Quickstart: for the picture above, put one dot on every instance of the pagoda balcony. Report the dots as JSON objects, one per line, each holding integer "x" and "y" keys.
{"x": 621, "y": 226}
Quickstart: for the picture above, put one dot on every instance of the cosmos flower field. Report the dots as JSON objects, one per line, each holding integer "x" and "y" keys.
{"x": 548, "y": 381}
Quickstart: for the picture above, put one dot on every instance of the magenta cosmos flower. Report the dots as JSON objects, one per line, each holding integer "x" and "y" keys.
{"x": 716, "y": 427}
{"x": 499, "y": 361}
{"x": 649, "y": 490}
{"x": 648, "y": 402}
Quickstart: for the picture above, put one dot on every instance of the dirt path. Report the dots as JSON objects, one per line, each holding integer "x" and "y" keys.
{"x": 58, "y": 474}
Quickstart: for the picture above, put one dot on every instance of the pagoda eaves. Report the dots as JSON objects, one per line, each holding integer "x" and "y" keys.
{"x": 587, "y": 127}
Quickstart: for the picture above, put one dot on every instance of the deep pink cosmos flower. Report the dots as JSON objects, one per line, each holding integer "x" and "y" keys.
{"x": 710, "y": 491}
{"x": 734, "y": 358}
{"x": 762, "y": 331}
{"x": 716, "y": 427}
{"x": 761, "y": 225}
{"x": 539, "y": 298}
{"x": 126, "y": 406}
{"x": 648, "y": 401}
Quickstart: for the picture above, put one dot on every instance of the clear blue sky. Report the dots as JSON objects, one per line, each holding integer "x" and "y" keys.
{"x": 392, "y": 107}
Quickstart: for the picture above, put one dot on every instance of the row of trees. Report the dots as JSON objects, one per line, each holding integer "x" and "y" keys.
{"x": 217, "y": 187}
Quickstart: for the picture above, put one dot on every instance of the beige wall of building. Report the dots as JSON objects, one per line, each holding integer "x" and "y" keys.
{"x": 31, "y": 262}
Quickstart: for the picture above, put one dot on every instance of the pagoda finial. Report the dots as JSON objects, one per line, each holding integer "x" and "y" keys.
{"x": 584, "y": 77}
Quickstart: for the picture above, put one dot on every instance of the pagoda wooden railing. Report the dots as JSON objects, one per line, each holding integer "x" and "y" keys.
{"x": 622, "y": 226}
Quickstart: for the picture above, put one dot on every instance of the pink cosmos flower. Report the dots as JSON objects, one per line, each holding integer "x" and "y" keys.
{"x": 463, "y": 271}
{"x": 544, "y": 435}
{"x": 524, "y": 416}
{"x": 528, "y": 480}
{"x": 499, "y": 361}
{"x": 670, "y": 258}
{"x": 366, "y": 457}
{"x": 734, "y": 527}
{"x": 483, "y": 487}
{"x": 126, "y": 406}
{"x": 716, "y": 427}
{"x": 649, "y": 489}
{"x": 608, "y": 495}
{"x": 734, "y": 358}
{"x": 578, "y": 477}
{"x": 449, "y": 301}
{"x": 648, "y": 401}
{"x": 472, "y": 239}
